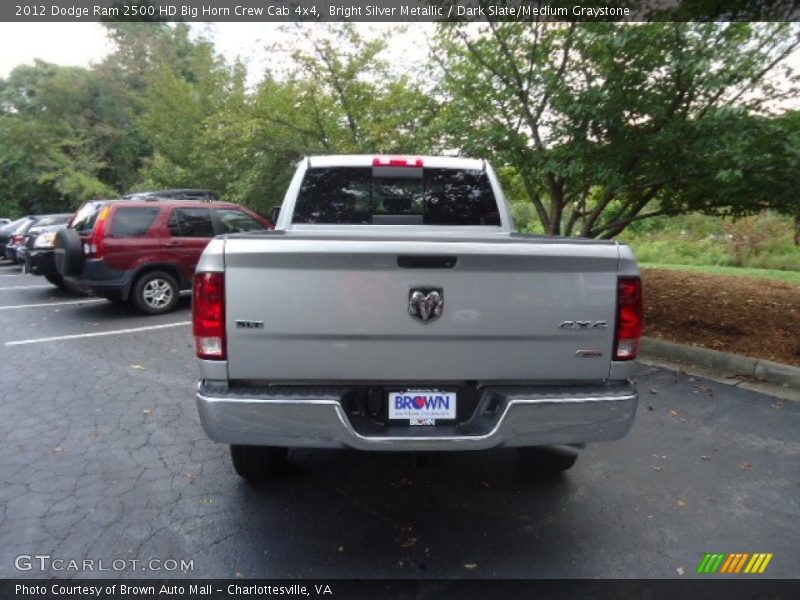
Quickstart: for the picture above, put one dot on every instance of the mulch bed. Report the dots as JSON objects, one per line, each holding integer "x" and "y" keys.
{"x": 744, "y": 315}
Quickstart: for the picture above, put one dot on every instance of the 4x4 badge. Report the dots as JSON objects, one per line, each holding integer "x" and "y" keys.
{"x": 584, "y": 325}
{"x": 425, "y": 304}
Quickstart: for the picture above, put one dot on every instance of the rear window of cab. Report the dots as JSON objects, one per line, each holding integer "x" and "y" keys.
{"x": 403, "y": 196}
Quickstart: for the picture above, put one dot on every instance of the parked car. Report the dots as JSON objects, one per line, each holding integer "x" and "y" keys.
{"x": 394, "y": 308}
{"x": 144, "y": 253}
{"x": 16, "y": 237}
{"x": 4, "y": 222}
{"x": 39, "y": 254}
{"x": 177, "y": 194}
{"x": 7, "y": 230}
{"x": 44, "y": 223}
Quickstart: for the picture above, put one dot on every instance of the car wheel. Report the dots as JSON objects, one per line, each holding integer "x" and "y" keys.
{"x": 56, "y": 279}
{"x": 68, "y": 252}
{"x": 258, "y": 463}
{"x": 155, "y": 293}
{"x": 547, "y": 460}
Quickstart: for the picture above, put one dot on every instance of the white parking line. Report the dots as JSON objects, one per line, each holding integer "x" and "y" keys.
{"x": 86, "y": 301}
{"x": 16, "y": 275}
{"x": 25, "y": 287}
{"x": 95, "y": 334}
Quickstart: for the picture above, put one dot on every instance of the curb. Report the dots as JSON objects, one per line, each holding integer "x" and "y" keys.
{"x": 757, "y": 368}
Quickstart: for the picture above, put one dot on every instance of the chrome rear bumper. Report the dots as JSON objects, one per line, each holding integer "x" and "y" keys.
{"x": 508, "y": 416}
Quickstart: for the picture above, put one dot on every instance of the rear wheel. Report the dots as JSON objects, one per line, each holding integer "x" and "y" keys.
{"x": 155, "y": 293}
{"x": 56, "y": 279}
{"x": 547, "y": 460}
{"x": 258, "y": 463}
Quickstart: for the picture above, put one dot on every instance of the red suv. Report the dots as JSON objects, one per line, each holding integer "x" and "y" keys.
{"x": 144, "y": 251}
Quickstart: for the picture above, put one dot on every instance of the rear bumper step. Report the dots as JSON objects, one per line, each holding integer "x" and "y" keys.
{"x": 506, "y": 416}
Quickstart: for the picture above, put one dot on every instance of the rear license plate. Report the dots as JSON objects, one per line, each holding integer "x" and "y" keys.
{"x": 422, "y": 407}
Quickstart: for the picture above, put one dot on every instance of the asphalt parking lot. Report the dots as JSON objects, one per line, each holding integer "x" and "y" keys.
{"x": 103, "y": 457}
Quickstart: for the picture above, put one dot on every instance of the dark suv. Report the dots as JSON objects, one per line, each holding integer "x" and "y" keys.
{"x": 144, "y": 252}
{"x": 36, "y": 248}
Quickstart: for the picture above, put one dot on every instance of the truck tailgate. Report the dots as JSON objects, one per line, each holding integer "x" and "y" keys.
{"x": 337, "y": 309}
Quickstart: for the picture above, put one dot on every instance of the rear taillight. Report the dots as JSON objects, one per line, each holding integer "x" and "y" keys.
{"x": 629, "y": 318}
{"x": 208, "y": 315}
{"x": 18, "y": 240}
{"x": 97, "y": 246}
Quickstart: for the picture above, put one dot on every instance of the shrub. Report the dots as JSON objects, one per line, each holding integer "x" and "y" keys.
{"x": 762, "y": 241}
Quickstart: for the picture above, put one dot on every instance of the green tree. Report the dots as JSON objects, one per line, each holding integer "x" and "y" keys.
{"x": 256, "y": 139}
{"x": 176, "y": 107}
{"x": 789, "y": 133}
{"x": 169, "y": 83}
{"x": 336, "y": 96}
{"x": 607, "y": 124}
{"x": 54, "y": 138}
{"x": 357, "y": 102}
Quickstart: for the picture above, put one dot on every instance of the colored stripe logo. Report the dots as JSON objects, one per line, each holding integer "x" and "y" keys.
{"x": 739, "y": 562}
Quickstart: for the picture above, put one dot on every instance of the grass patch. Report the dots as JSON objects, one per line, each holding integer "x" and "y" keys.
{"x": 788, "y": 276}
{"x": 762, "y": 242}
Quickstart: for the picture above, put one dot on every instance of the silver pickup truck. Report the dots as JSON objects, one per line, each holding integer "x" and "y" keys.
{"x": 394, "y": 308}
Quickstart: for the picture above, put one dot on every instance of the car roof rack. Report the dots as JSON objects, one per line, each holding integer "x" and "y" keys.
{"x": 197, "y": 194}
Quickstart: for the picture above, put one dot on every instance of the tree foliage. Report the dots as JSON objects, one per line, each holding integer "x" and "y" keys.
{"x": 606, "y": 124}
{"x": 592, "y": 126}
{"x": 54, "y": 138}
{"x": 208, "y": 129}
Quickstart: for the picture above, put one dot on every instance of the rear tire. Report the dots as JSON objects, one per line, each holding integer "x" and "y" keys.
{"x": 258, "y": 463}
{"x": 56, "y": 279}
{"x": 68, "y": 252}
{"x": 547, "y": 460}
{"x": 155, "y": 293}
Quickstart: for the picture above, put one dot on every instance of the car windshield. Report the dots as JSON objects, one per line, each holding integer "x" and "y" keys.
{"x": 53, "y": 220}
{"x": 396, "y": 196}
{"x": 10, "y": 227}
{"x": 24, "y": 226}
